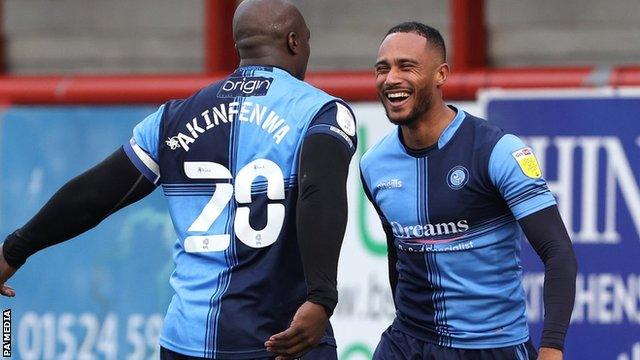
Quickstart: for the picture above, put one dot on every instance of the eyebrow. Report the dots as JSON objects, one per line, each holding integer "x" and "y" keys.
{"x": 399, "y": 61}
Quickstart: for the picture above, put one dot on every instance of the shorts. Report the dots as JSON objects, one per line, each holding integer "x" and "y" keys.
{"x": 396, "y": 345}
{"x": 320, "y": 352}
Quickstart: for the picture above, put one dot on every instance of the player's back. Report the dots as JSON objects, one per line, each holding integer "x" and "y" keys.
{"x": 228, "y": 159}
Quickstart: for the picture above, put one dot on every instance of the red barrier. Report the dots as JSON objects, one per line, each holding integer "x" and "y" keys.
{"x": 352, "y": 86}
{"x": 626, "y": 76}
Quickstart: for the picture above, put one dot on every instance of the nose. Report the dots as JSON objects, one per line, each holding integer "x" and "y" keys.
{"x": 392, "y": 78}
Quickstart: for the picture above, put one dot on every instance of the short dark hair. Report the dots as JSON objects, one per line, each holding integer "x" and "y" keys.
{"x": 432, "y": 35}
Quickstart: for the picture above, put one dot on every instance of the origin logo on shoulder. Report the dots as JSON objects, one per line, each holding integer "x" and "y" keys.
{"x": 245, "y": 86}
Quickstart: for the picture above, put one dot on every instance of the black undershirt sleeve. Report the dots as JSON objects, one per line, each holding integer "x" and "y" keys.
{"x": 321, "y": 214}
{"x": 549, "y": 238}
{"x": 78, "y": 206}
{"x": 392, "y": 256}
{"x": 392, "y": 259}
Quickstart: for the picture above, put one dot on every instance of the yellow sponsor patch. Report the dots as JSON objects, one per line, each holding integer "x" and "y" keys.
{"x": 527, "y": 162}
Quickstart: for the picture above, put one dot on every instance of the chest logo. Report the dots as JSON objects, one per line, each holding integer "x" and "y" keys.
{"x": 527, "y": 162}
{"x": 457, "y": 177}
{"x": 389, "y": 184}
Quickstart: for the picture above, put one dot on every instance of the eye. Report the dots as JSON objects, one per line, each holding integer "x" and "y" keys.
{"x": 382, "y": 69}
{"x": 407, "y": 66}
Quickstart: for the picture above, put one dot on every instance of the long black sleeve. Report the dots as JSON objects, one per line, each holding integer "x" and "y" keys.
{"x": 548, "y": 236}
{"x": 78, "y": 206}
{"x": 392, "y": 259}
{"x": 392, "y": 255}
{"x": 322, "y": 214}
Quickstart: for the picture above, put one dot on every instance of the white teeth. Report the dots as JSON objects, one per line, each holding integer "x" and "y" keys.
{"x": 397, "y": 95}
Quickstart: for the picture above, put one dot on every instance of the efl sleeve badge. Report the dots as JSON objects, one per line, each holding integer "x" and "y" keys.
{"x": 527, "y": 162}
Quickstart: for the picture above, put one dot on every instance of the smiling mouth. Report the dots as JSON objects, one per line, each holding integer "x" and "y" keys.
{"x": 397, "y": 97}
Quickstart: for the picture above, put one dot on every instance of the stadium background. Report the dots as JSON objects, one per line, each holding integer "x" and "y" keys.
{"x": 79, "y": 74}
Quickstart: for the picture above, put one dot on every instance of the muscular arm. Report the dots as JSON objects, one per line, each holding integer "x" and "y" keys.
{"x": 78, "y": 206}
{"x": 547, "y": 234}
{"x": 322, "y": 215}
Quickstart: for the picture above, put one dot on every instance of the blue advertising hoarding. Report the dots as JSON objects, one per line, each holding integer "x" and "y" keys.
{"x": 103, "y": 294}
{"x": 589, "y": 151}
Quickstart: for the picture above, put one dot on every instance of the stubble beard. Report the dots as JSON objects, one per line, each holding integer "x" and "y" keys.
{"x": 422, "y": 106}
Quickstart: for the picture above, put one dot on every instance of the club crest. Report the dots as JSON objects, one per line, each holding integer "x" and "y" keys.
{"x": 457, "y": 177}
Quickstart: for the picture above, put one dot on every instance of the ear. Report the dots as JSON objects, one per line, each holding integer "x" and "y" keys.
{"x": 292, "y": 42}
{"x": 441, "y": 75}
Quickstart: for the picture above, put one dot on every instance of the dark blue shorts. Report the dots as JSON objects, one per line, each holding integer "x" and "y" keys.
{"x": 320, "y": 352}
{"x": 396, "y": 345}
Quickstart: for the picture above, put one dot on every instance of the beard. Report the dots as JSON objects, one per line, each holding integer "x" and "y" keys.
{"x": 423, "y": 103}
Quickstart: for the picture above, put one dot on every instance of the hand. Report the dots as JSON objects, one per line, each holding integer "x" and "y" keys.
{"x": 305, "y": 332}
{"x": 6, "y": 271}
{"x": 546, "y": 353}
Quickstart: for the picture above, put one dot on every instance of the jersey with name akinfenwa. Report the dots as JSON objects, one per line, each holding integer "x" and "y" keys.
{"x": 453, "y": 212}
{"x": 227, "y": 159}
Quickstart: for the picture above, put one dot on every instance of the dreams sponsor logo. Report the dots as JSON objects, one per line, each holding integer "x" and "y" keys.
{"x": 428, "y": 230}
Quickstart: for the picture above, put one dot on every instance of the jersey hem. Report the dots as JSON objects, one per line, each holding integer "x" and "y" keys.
{"x": 225, "y": 355}
{"x": 231, "y": 355}
{"x": 453, "y": 343}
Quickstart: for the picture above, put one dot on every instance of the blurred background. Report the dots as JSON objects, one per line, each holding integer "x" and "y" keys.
{"x": 77, "y": 75}
{"x": 165, "y": 36}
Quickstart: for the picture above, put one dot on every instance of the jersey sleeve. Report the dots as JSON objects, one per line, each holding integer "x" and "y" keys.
{"x": 142, "y": 149}
{"x": 337, "y": 120}
{"x": 516, "y": 174}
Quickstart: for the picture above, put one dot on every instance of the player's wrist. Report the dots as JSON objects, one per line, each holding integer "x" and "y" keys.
{"x": 11, "y": 254}
{"x": 549, "y": 353}
{"x": 327, "y": 309}
{"x": 552, "y": 342}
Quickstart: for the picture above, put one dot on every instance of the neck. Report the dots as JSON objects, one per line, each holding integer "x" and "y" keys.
{"x": 267, "y": 61}
{"x": 427, "y": 130}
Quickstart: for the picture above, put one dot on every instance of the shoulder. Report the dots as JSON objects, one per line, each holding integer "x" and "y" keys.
{"x": 508, "y": 143}
{"x": 202, "y": 96}
{"x": 303, "y": 91}
{"x": 478, "y": 135}
{"x": 484, "y": 129}
{"x": 308, "y": 94}
{"x": 306, "y": 89}
{"x": 507, "y": 147}
{"x": 380, "y": 149}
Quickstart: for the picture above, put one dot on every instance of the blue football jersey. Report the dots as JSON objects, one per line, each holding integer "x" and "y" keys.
{"x": 453, "y": 210}
{"x": 227, "y": 160}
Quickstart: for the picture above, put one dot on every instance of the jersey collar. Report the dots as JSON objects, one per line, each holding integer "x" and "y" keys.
{"x": 444, "y": 138}
{"x": 453, "y": 126}
{"x": 249, "y": 70}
